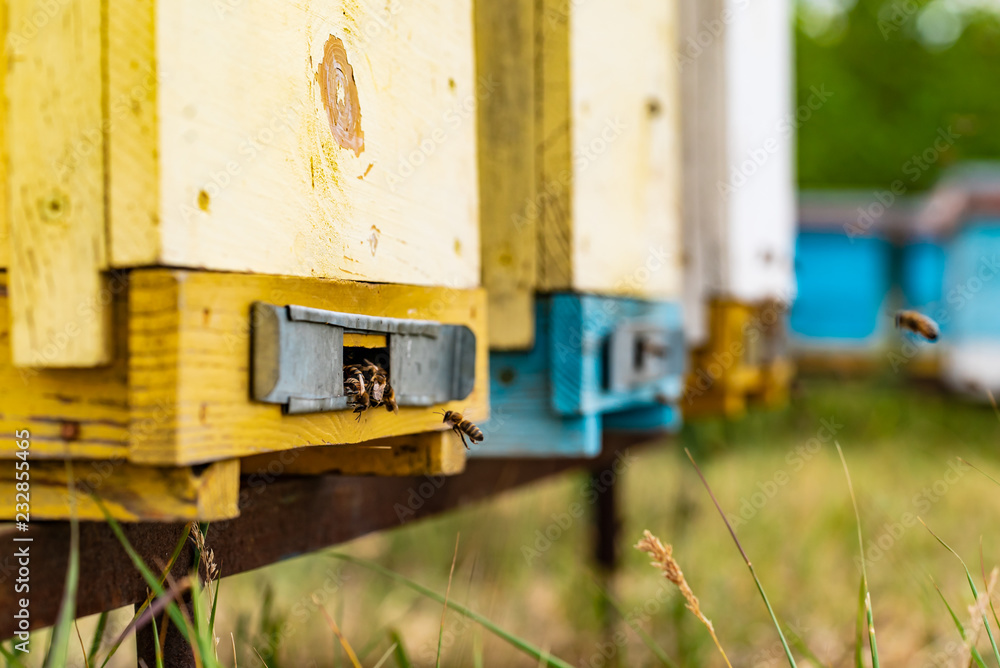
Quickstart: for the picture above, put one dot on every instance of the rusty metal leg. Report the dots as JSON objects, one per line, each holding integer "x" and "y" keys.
{"x": 177, "y": 653}
{"x": 607, "y": 524}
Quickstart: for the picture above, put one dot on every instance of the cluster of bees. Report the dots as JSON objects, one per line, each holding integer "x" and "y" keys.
{"x": 367, "y": 386}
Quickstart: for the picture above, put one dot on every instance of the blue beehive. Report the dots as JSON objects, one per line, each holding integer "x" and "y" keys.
{"x": 953, "y": 274}
{"x": 598, "y": 363}
{"x": 843, "y": 271}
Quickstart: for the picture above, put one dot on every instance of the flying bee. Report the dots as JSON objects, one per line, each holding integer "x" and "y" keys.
{"x": 462, "y": 427}
{"x": 918, "y": 323}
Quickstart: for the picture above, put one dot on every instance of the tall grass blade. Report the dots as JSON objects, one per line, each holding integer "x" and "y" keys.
{"x": 203, "y": 636}
{"x": 958, "y": 625}
{"x": 58, "y": 653}
{"x": 152, "y": 581}
{"x": 135, "y": 624}
{"x": 83, "y": 650}
{"x": 518, "y": 643}
{"x": 340, "y": 636}
{"x": 986, "y": 583}
{"x": 444, "y": 610}
{"x": 477, "y": 648}
{"x": 984, "y": 473}
{"x": 399, "y": 653}
{"x": 746, "y": 559}
{"x": 972, "y": 585}
{"x": 859, "y": 640}
{"x": 647, "y": 640}
{"x": 157, "y": 650}
{"x": 864, "y": 570}
{"x": 10, "y": 658}
{"x": 800, "y": 644}
{"x": 95, "y": 644}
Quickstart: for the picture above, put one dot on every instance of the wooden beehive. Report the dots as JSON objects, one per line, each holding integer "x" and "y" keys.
{"x": 169, "y": 164}
{"x": 335, "y": 141}
{"x": 579, "y": 154}
{"x": 735, "y": 59}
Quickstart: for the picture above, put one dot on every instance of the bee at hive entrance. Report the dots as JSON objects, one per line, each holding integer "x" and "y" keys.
{"x": 366, "y": 377}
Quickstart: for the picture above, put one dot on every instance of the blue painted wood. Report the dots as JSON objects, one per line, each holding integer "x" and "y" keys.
{"x": 842, "y": 286}
{"x": 522, "y": 422}
{"x": 652, "y": 418}
{"x": 922, "y": 274}
{"x": 581, "y": 327}
{"x": 972, "y": 283}
{"x": 568, "y": 361}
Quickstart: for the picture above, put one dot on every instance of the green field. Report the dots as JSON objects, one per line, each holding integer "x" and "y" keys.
{"x": 787, "y": 495}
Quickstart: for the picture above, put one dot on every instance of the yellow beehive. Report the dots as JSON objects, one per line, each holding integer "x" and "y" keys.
{"x": 334, "y": 140}
{"x": 167, "y": 164}
{"x": 579, "y": 154}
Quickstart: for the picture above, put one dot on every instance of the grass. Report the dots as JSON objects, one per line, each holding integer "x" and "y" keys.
{"x": 785, "y": 496}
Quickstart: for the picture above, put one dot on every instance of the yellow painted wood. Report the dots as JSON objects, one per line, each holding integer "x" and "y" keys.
{"x": 4, "y": 195}
{"x": 608, "y": 138}
{"x": 131, "y": 493}
{"x": 509, "y": 212}
{"x": 189, "y": 350}
{"x": 133, "y": 133}
{"x": 70, "y": 413}
{"x": 229, "y": 161}
{"x": 56, "y": 183}
{"x": 743, "y": 360}
{"x": 356, "y": 340}
{"x": 432, "y": 453}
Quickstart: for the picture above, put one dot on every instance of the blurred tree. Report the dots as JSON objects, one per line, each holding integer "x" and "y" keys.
{"x": 903, "y": 74}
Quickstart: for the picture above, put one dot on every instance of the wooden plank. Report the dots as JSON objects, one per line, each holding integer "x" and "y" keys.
{"x": 432, "y": 453}
{"x": 329, "y": 141}
{"x": 70, "y": 413}
{"x": 522, "y": 422}
{"x": 760, "y": 152}
{"x": 4, "y": 194}
{"x": 581, "y": 328}
{"x": 133, "y": 133}
{"x": 701, "y": 61}
{"x": 505, "y": 53}
{"x": 56, "y": 184}
{"x": 130, "y": 493}
{"x": 190, "y": 351}
{"x": 610, "y": 148}
{"x": 279, "y": 518}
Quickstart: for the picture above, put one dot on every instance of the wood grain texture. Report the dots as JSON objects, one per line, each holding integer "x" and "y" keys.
{"x": 4, "y": 192}
{"x": 190, "y": 351}
{"x": 702, "y": 65}
{"x": 505, "y": 52}
{"x": 133, "y": 133}
{"x": 609, "y": 140}
{"x": 56, "y": 182}
{"x": 130, "y": 493}
{"x": 235, "y": 163}
{"x": 70, "y": 413}
{"x": 522, "y": 421}
{"x": 581, "y": 326}
{"x": 432, "y": 453}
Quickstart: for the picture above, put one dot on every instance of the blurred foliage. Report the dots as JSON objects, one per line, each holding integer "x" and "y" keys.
{"x": 894, "y": 87}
